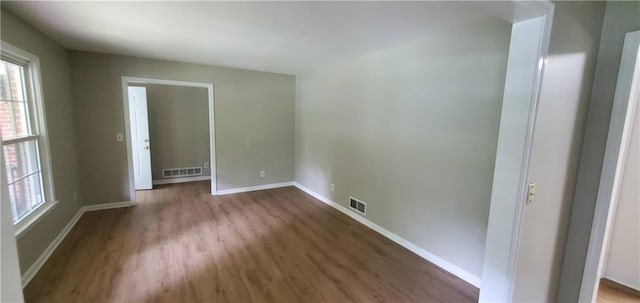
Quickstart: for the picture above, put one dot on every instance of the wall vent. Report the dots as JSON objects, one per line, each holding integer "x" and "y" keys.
{"x": 358, "y": 205}
{"x": 181, "y": 172}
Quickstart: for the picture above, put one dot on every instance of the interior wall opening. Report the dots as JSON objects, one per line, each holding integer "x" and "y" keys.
{"x": 169, "y": 133}
{"x": 612, "y": 267}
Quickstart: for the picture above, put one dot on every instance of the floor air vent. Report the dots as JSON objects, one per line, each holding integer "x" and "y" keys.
{"x": 358, "y": 205}
{"x": 181, "y": 172}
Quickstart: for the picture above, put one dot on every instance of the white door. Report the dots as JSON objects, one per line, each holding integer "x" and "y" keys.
{"x": 140, "y": 145}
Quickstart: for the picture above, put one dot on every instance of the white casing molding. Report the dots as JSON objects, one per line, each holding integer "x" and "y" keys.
{"x": 525, "y": 69}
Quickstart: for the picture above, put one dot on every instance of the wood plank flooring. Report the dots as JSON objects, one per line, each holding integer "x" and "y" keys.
{"x": 611, "y": 292}
{"x": 180, "y": 244}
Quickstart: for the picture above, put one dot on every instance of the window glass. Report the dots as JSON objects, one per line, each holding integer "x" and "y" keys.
{"x": 21, "y": 159}
{"x": 26, "y": 194}
{"x": 19, "y": 143}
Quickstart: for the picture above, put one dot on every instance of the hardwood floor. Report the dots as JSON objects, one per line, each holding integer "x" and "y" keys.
{"x": 180, "y": 244}
{"x": 611, "y": 292}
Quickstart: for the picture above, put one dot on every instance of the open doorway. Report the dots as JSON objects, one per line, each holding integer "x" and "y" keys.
{"x": 612, "y": 268}
{"x": 170, "y": 132}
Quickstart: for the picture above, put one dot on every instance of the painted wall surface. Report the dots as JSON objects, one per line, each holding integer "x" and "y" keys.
{"x": 412, "y": 131}
{"x": 563, "y": 103}
{"x": 56, "y": 89}
{"x": 623, "y": 256}
{"x": 178, "y": 127}
{"x": 620, "y": 18}
{"x": 254, "y": 121}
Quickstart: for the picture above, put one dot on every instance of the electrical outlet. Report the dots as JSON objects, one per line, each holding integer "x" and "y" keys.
{"x": 75, "y": 196}
{"x": 119, "y": 137}
{"x": 262, "y": 174}
{"x": 206, "y": 164}
{"x": 333, "y": 187}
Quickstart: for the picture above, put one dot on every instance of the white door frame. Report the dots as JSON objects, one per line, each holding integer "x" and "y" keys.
{"x": 528, "y": 50}
{"x": 126, "y": 80}
{"x": 622, "y": 119}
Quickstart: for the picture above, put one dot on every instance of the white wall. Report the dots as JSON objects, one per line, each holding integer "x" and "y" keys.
{"x": 411, "y": 130}
{"x": 623, "y": 257}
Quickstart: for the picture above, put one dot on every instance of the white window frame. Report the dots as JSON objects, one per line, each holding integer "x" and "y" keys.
{"x": 36, "y": 110}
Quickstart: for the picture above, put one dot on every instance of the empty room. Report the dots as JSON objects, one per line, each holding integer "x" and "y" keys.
{"x": 319, "y": 151}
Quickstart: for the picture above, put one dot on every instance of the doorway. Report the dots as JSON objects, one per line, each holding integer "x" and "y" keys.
{"x": 170, "y": 132}
{"x": 618, "y": 168}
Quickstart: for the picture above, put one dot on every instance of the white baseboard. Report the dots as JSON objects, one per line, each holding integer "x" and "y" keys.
{"x": 37, "y": 265}
{"x": 106, "y": 206}
{"x": 453, "y": 269}
{"x": 253, "y": 188}
{"x": 180, "y": 180}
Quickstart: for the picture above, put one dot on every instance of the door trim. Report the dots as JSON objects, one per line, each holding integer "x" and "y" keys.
{"x": 513, "y": 155}
{"x": 126, "y": 80}
{"x": 618, "y": 138}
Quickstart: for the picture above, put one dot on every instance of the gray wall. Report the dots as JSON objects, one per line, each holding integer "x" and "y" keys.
{"x": 178, "y": 127}
{"x": 254, "y": 121}
{"x": 411, "y": 130}
{"x": 620, "y": 18}
{"x": 562, "y": 109}
{"x": 56, "y": 88}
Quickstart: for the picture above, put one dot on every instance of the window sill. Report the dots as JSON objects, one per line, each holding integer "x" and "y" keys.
{"x": 32, "y": 218}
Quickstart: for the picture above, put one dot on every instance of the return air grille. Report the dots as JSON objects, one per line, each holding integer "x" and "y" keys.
{"x": 358, "y": 205}
{"x": 181, "y": 172}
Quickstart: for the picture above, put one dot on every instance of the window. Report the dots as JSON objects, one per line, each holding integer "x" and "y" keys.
{"x": 24, "y": 140}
